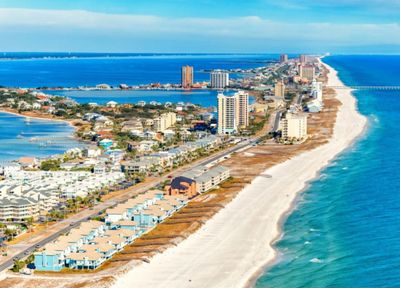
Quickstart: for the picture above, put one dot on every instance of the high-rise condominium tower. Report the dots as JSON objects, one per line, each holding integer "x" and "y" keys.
{"x": 187, "y": 77}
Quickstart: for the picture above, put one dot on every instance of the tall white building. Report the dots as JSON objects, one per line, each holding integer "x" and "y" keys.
{"x": 307, "y": 72}
{"x": 280, "y": 89}
{"x": 219, "y": 79}
{"x": 233, "y": 112}
{"x": 316, "y": 90}
{"x": 226, "y": 114}
{"x": 164, "y": 121}
{"x": 242, "y": 109}
{"x": 283, "y": 58}
{"x": 294, "y": 126}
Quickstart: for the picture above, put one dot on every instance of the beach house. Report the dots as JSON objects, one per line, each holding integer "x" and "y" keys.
{"x": 116, "y": 214}
{"x": 106, "y": 143}
{"x": 92, "y": 151}
{"x": 111, "y": 104}
{"x": 125, "y": 224}
{"x": 182, "y": 185}
{"x": 63, "y": 251}
{"x": 85, "y": 260}
{"x": 149, "y": 217}
{"x": 198, "y": 180}
{"x": 28, "y": 162}
{"x": 126, "y": 234}
{"x": 93, "y": 242}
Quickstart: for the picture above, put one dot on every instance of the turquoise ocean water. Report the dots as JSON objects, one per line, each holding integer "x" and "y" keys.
{"x": 345, "y": 230}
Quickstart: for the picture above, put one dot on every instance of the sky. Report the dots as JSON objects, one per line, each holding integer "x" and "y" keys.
{"x": 201, "y": 26}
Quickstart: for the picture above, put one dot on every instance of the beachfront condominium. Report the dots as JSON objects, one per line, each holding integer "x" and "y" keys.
{"x": 294, "y": 126}
{"x": 233, "y": 112}
{"x": 280, "y": 89}
{"x": 187, "y": 77}
{"x": 316, "y": 90}
{"x": 219, "y": 79}
{"x": 283, "y": 58}
{"x": 303, "y": 59}
{"x": 226, "y": 114}
{"x": 307, "y": 72}
{"x": 242, "y": 109}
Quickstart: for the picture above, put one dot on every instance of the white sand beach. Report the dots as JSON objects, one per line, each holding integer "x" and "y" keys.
{"x": 232, "y": 247}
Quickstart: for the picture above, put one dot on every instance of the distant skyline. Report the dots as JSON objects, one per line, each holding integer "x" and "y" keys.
{"x": 259, "y": 26}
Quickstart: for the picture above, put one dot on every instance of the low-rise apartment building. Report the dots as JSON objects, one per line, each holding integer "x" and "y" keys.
{"x": 182, "y": 186}
{"x": 197, "y": 181}
{"x": 294, "y": 126}
{"x": 207, "y": 179}
{"x": 26, "y": 194}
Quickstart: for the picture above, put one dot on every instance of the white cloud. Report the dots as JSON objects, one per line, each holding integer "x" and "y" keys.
{"x": 146, "y": 27}
{"x": 375, "y": 6}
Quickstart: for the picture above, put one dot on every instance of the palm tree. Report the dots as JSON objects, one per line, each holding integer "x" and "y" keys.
{"x": 29, "y": 222}
{"x": 10, "y": 233}
{"x": 18, "y": 265}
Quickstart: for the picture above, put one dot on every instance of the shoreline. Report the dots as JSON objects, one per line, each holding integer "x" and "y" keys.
{"x": 209, "y": 265}
{"x": 253, "y": 280}
{"x": 46, "y": 119}
{"x": 38, "y": 117}
{"x": 284, "y": 216}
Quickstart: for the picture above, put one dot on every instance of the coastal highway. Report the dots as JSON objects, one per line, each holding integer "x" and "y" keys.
{"x": 22, "y": 250}
{"x": 277, "y": 119}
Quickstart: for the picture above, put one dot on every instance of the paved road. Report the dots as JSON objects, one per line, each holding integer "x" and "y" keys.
{"x": 276, "y": 122}
{"x": 75, "y": 220}
{"x": 299, "y": 99}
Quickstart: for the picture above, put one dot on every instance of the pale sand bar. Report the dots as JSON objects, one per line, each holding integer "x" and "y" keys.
{"x": 232, "y": 247}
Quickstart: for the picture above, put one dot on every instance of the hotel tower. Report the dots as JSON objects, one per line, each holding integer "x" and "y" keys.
{"x": 233, "y": 112}
{"x": 219, "y": 79}
{"x": 187, "y": 77}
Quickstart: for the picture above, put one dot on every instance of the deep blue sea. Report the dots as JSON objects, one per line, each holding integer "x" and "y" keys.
{"x": 345, "y": 231}
{"x": 70, "y": 70}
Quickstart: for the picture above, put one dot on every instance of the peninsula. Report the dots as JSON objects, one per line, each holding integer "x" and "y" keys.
{"x": 254, "y": 201}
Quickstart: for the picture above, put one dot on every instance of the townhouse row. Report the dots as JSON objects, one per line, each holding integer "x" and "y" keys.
{"x": 147, "y": 210}
{"x": 171, "y": 157}
{"x": 69, "y": 184}
{"x": 26, "y": 194}
{"x": 90, "y": 245}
